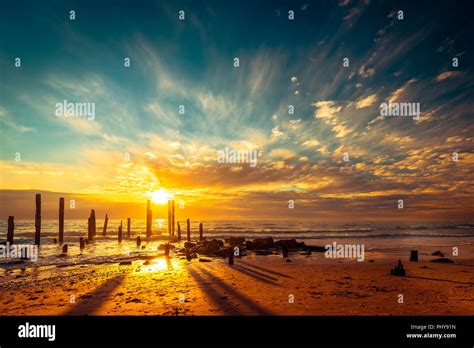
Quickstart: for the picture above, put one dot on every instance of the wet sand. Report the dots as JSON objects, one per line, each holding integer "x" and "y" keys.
{"x": 255, "y": 285}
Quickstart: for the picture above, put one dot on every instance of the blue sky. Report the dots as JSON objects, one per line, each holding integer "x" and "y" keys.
{"x": 282, "y": 63}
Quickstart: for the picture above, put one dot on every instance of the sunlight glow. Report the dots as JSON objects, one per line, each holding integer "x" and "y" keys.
{"x": 160, "y": 264}
{"x": 160, "y": 196}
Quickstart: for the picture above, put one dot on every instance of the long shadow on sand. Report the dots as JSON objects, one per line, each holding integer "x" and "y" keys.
{"x": 264, "y": 269}
{"x": 235, "y": 294}
{"x": 214, "y": 295}
{"x": 460, "y": 264}
{"x": 256, "y": 275}
{"x": 441, "y": 280}
{"x": 97, "y": 297}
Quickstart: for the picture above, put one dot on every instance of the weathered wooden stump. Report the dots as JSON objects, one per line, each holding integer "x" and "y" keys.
{"x": 65, "y": 248}
{"x": 169, "y": 217}
{"x": 172, "y": 217}
{"x": 200, "y": 231}
{"x": 398, "y": 270}
{"x": 106, "y": 221}
{"x": 120, "y": 233}
{"x": 91, "y": 227}
{"x": 38, "y": 219}
{"x": 231, "y": 257}
{"x": 61, "y": 220}
{"x": 188, "y": 227}
{"x": 414, "y": 255}
{"x": 94, "y": 227}
{"x": 149, "y": 216}
{"x": 11, "y": 229}
{"x": 129, "y": 222}
{"x": 82, "y": 244}
{"x": 139, "y": 241}
{"x": 179, "y": 232}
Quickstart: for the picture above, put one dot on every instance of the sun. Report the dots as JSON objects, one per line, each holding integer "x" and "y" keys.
{"x": 160, "y": 196}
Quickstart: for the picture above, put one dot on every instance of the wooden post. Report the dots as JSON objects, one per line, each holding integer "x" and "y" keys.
{"x": 61, "y": 220}
{"x": 149, "y": 216}
{"x": 200, "y": 231}
{"x": 169, "y": 218}
{"x": 11, "y": 229}
{"x": 167, "y": 250}
{"x": 104, "y": 231}
{"x": 65, "y": 248}
{"x": 38, "y": 219}
{"x": 172, "y": 217}
{"x": 414, "y": 255}
{"x": 188, "y": 229}
{"x": 120, "y": 233}
{"x": 139, "y": 241}
{"x": 399, "y": 270}
{"x": 179, "y": 232}
{"x": 91, "y": 226}
{"x": 82, "y": 245}
{"x": 94, "y": 229}
{"x": 128, "y": 227}
{"x": 231, "y": 257}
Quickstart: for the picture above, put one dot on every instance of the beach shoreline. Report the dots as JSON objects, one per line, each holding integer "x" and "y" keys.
{"x": 254, "y": 285}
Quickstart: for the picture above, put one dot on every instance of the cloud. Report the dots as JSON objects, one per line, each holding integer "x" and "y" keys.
{"x": 367, "y": 101}
{"x": 7, "y": 121}
{"x": 395, "y": 96}
{"x": 295, "y": 124}
{"x": 234, "y": 107}
{"x": 277, "y": 133}
{"x": 261, "y": 70}
{"x": 282, "y": 153}
{"x": 163, "y": 114}
{"x": 447, "y": 75}
{"x": 455, "y": 139}
{"x": 378, "y": 118}
{"x": 366, "y": 72}
{"x": 341, "y": 130}
{"x": 311, "y": 143}
{"x": 353, "y": 12}
{"x": 326, "y": 109}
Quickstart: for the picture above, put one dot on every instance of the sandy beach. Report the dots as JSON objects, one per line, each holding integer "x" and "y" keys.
{"x": 254, "y": 285}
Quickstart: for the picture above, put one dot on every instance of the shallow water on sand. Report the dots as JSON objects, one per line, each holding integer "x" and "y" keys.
{"x": 377, "y": 238}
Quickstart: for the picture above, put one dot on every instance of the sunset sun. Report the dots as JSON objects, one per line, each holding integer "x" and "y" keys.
{"x": 160, "y": 196}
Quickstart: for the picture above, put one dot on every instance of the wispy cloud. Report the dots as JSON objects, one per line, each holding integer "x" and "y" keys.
{"x": 366, "y": 101}
{"x": 140, "y": 141}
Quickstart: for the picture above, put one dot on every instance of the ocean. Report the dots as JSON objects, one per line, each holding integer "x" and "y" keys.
{"x": 378, "y": 238}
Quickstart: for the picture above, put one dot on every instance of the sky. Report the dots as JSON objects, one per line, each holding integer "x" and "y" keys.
{"x": 139, "y": 142}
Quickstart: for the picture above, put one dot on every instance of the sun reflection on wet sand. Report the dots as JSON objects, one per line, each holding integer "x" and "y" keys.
{"x": 161, "y": 264}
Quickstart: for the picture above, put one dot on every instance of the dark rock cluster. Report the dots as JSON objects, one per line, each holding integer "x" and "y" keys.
{"x": 259, "y": 246}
